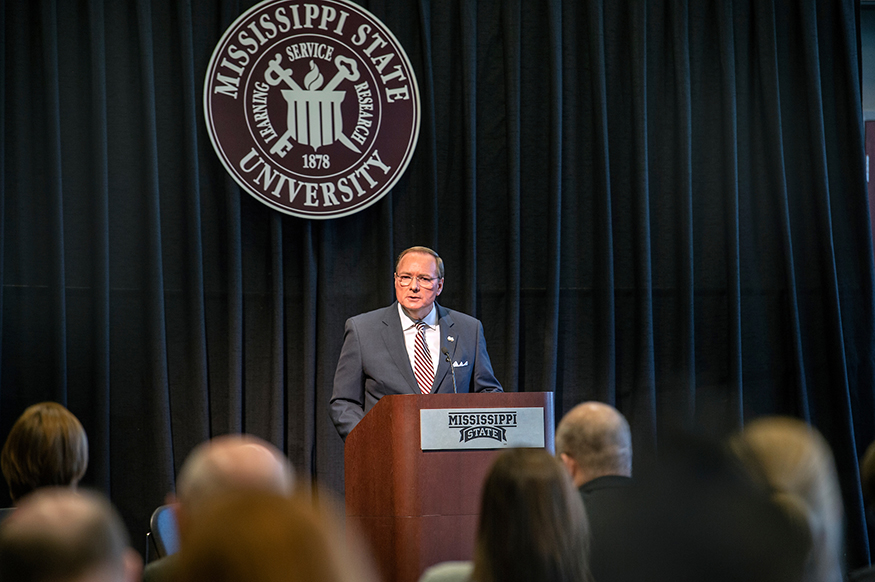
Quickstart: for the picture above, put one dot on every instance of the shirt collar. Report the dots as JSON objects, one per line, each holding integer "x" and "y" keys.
{"x": 407, "y": 322}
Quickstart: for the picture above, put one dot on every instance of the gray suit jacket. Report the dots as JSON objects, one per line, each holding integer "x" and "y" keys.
{"x": 374, "y": 362}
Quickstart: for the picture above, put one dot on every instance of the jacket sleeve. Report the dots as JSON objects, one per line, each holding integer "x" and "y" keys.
{"x": 483, "y": 379}
{"x": 347, "y": 404}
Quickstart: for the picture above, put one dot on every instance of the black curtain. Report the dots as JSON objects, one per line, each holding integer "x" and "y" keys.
{"x": 659, "y": 204}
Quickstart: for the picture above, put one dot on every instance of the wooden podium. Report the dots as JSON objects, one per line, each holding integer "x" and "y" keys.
{"x": 419, "y": 507}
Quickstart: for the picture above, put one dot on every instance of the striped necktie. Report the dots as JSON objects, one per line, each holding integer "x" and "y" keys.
{"x": 423, "y": 370}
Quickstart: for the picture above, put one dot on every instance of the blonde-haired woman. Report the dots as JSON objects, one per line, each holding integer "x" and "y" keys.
{"x": 796, "y": 463}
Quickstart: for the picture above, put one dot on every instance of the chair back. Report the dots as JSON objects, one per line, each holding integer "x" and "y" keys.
{"x": 164, "y": 531}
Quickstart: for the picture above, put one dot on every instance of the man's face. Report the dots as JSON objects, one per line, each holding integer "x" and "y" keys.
{"x": 415, "y": 299}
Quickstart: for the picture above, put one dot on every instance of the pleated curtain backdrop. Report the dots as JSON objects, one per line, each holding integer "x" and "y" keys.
{"x": 659, "y": 204}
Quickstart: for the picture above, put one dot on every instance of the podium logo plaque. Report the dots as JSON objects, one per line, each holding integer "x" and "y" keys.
{"x": 444, "y": 429}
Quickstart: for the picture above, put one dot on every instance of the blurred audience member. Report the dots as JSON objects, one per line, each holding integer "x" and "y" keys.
{"x": 263, "y": 537}
{"x": 594, "y": 441}
{"x": 595, "y": 444}
{"x": 47, "y": 446}
{"x": 867, "y": 481}
{"x": 223, "y": 465}
{"x": 58, "y": 535}
{"x": 797, "y": 464}
{"x": 532, "y": 525}
{"x": 695, "y": 514}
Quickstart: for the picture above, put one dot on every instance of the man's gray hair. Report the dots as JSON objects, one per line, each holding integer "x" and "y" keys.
{"x": 231, "y": 463}
{"x": 59, "y": 534}
{"x": 424, "y": 250}
{"x": 598, "y": 438}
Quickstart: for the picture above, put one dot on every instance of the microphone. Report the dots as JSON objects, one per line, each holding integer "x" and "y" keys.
{"x": 452, "y": 369}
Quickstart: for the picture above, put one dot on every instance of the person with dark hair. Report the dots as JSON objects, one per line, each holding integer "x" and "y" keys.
{"x": 58, "y": 535}
{"x": 532, "y": 525}
{"x": 414, "y": 346}
{"x": 46, "y": 446}
{"x": 696, "y": 514}
{"x": 594, "y": 442}
{"x": 224, "y": 465}
{"x": 263, "y": 537}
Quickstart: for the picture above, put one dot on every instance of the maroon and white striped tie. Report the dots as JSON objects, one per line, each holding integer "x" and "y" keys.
{"x": 423, "y": 370}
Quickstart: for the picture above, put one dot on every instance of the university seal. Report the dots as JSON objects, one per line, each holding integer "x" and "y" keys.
{"x": 312, "y": 107}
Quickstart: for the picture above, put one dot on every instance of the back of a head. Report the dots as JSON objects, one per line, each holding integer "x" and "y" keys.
{"x": 232, "y": 463}
{"x": 797, "y": 464}
{"x": 57, "y": 534}
{"x": 598, "y": 438}
{"x": 262, "y": 537}
{"x": 47, "y": 446}
{"x": 532, "y": 522}
{"x": 695, "y": 514}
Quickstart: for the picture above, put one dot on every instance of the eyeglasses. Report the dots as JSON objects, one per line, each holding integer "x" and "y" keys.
{"x": 422, "y": 280}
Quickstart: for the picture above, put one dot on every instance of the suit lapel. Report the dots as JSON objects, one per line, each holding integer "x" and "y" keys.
{"x": 393, "y": 338}
{"x": 445, "y": 328}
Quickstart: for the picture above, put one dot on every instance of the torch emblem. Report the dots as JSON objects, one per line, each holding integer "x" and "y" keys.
{"x": 314, "y": 118}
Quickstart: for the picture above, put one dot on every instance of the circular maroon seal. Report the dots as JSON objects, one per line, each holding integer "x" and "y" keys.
{"x": 312, "y": 107}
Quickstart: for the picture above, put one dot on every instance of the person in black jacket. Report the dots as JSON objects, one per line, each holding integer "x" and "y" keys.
{"x": 594, "y": 442}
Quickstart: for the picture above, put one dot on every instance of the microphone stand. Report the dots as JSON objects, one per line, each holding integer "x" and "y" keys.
{"x": 452, "y": 368}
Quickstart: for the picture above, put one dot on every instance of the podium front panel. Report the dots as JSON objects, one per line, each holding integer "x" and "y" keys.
{"x": 418, "y": 508}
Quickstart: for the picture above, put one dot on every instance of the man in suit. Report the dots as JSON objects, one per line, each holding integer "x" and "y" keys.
{"x": 414, "y": 346}
{"x": 218, "y": 467}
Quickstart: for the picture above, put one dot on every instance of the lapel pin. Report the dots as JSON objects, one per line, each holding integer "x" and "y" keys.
{"x": 450, "y": 338}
